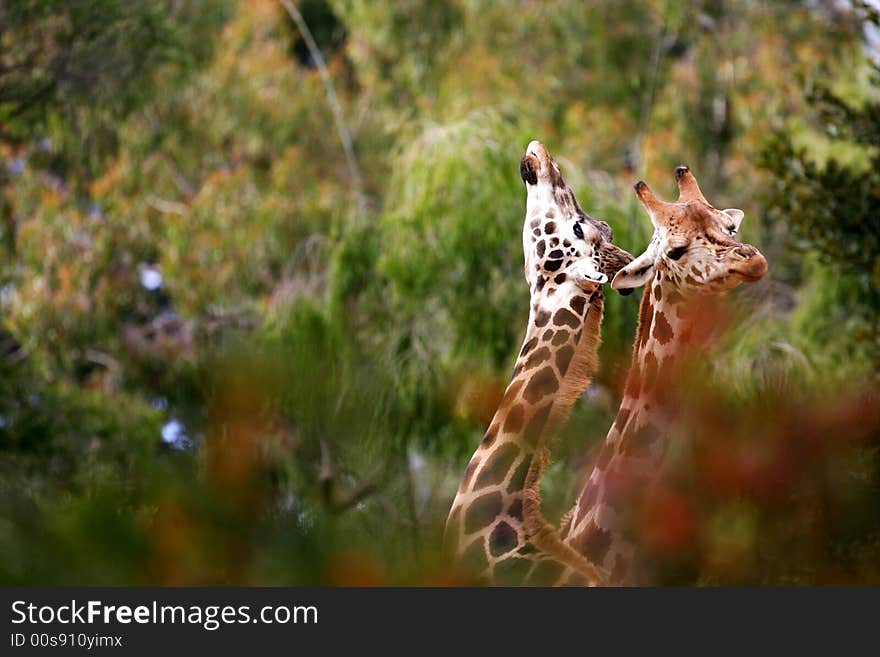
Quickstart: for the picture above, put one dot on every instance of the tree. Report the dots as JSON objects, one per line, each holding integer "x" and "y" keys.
{"x": 834, "y": 208}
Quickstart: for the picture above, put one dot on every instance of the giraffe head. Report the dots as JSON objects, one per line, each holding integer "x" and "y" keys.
{"x": 562, "y": 244}
{"x": 694, "y": 244}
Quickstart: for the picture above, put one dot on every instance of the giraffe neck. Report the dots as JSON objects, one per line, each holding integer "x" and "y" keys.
{"x": 600, "y": 525}
{"x": 497, "y": 502}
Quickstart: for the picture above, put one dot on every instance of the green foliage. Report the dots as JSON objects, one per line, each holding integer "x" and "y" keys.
{"x": 453, "y": 202}
{"x": 834, "y": 210}
{"x": 395, "y": 56}
{"x": 88, "y": 64}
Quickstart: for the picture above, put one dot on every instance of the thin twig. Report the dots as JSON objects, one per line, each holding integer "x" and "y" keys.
{"x": 332, "y": 100}
{"x": 167, "y": 207}
{"x": 336, "y": 502}
{"x": 371, "y": 485}
{"x": 650, "y": 96}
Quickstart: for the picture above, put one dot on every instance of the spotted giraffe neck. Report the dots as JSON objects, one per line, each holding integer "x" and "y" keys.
{"x": 495, "y": 524}
{"x": 631, "y": 458}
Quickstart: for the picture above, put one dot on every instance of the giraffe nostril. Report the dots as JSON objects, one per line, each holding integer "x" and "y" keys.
{"x": 746, "y": 251}
{"x": 528, "y": 170}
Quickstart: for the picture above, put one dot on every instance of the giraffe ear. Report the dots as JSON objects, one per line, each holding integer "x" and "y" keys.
{"x": 613, "y": 258}
{"x": 636, "y": 273}
{"x": 736, "y": 216}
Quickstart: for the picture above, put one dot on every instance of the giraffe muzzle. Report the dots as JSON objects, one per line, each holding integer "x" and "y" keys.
{"x": 528, "y": 169}
{"x": 754, "y": 264}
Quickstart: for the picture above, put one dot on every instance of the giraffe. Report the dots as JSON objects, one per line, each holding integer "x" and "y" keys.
{"x": 495, "y": 524}
{"x": 692, "y": 258}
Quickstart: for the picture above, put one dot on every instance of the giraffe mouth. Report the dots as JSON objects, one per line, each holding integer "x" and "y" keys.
{"x": 748, "y": 278}
{"x": 537, "y": 150}
{"x": 528, "y": 169}
{"x": 754, "y": 268}
{"x": 537, "y": 165}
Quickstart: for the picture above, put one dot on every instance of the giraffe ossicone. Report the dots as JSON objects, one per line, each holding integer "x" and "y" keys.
{"x": 495, "y": 526}
{"x": 692, "y": 258}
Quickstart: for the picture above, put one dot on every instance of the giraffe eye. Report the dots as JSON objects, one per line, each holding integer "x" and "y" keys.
{"x": 677, "y": 252}
{"x": 578, "y": 231}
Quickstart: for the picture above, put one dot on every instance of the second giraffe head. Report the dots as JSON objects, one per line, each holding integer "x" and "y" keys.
{"x": 694, "y": 245}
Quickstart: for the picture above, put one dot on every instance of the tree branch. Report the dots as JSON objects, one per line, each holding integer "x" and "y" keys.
{"x": 332, "y": 100}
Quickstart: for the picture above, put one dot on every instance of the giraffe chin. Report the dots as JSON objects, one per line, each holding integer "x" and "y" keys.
{"x": 747, "y": 278}
{"x": 538, "y": 167}
{"x": 752, "y": 270}
{"x": 590, "y": 288}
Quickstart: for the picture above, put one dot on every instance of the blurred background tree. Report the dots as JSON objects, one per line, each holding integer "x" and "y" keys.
{"x": 217, "y": 366}
{"x": 833, "y": 204}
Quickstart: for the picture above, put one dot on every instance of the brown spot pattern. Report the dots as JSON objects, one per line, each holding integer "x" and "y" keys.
{"x": 633, "y": 382}
{"x": 662, "y": 329}
{"x": 497, "y": 466}
{"x": 649, "y": 374}
{"x": 490, "y": 436}
{"x": 502, "y": 539}
{"x": 577, "y": 304}
{"x": 594, "y": 543}
{"x": 511, "y": 393}
{"x": 564, "y": 317}
{"x": 482, "y": 512}
{"x": 561, "y": 337}
{"x": 528, "y": 346}
{"x": 468, "y": 473}
{"x": 537, "y": 357}
{"x": 473, "y": 556}
{"x": 541, "y": 384}
{"x": 514, "y": 420}
{"x": 518, "y": 480}
{"x": 638, "y": 443}
{"x": 563, "y": 358}
{"x": 511, "y": 571}
{"x": 536, "y": 425}
{"x": 621, "y": 419}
